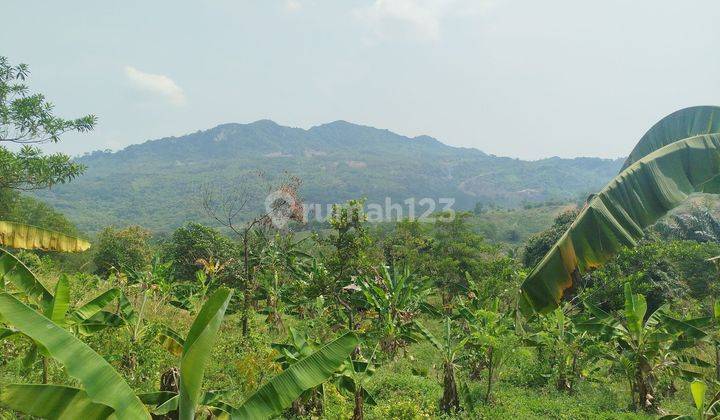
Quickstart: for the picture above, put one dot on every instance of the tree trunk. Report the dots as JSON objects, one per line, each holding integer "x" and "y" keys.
{"x": 645, "y": 398}
{"x": 169, "y": 381}
{"x": 450, "y": 401}
{"x": 358, "y": 410}
{"x": 574, "y": 372}
{"x": 246, "y": 288}
{"x": 490, "y": 376}
{"x": 717, "y": 361}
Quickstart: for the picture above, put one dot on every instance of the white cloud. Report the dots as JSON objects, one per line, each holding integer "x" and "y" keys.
{"x": 421, "y": 18}
{"x": 292, "y": 5}
{"x": 158, "y": 84}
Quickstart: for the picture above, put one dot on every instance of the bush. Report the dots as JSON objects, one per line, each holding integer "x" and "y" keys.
{"x": 125, "y": 250}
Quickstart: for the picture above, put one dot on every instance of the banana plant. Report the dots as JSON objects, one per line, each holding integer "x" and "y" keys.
{"x": 491, "y": 339}
{"x": 396, "y": 297}
{"x": 280, "y": 259}
{"x": 350, "y": 379}
{"x": 566, "y": 347}
{"x": 84, "y": 320}
{"x": 104, "y": 393}
{"x": 716, "y": 337}
{"x": 451, "y": 350}
{"x": 644, "y": 346}
{"x": 705, "y": 410}
{"x": 675, "y": 158}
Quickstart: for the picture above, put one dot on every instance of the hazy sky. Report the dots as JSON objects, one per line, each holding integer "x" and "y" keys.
{"x": 522, "y": 78}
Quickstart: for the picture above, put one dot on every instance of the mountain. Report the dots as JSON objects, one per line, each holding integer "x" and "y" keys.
{"x": 156, "y": 183}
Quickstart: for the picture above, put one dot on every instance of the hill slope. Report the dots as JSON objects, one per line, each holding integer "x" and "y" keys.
{"x": 156, "y": 183}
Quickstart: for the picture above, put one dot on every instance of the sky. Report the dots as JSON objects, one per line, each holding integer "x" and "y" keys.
{"x": 521, "y": 78}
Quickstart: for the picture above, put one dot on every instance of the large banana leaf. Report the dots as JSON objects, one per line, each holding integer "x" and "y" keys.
{"x": 52, "y": 402}
{"x": 617, "y": 215}
{"x": 679, "y": 125}
{"x": 279, "y": 393}
{"x": 22, "y": 236}
{"x": 196, "y": 351}
{"x": 14, "y": 272}
{"x": 101, "y": 382}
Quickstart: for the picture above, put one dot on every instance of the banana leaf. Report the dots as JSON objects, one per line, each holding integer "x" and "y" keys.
{"x": 13, "y": 271}
{"x": 52, "y": 402}
{"x": 679, "y": 125}
{"x": 95, "y": 305}
{"x": 279, "y": 393}
{"x": 617, "y": 215}
{"x": 196, "y": 351}
{"x": 170, "y": 340}
{"x": 101, "y": 382}
{"x": 23, "y": 236}
{"x": 98, "y": 322}
{"x": 60, "y": 303}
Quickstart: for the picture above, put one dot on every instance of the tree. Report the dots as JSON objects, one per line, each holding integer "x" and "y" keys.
{"x": 451, "y": 349}
{"x": 236, "y": 209}
{"x": 539, "y": 244}
{"x": 456, "y": 250}
{"x": 491, "y": 341}
{"x": 396, "y": 297}
{"x": 122, "y": 250}
{"x": 645, "y": 345}
{"x": 27, "y": 119}
{"x": 193, "y": 242}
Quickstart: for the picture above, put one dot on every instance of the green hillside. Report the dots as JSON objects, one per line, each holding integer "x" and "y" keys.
{"x": 156, "y": 184}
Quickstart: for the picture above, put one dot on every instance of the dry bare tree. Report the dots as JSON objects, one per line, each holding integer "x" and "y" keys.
{"x": 252, "y": 202}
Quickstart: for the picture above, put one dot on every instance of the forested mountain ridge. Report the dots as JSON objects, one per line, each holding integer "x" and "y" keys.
{"x": 156, "y": 183}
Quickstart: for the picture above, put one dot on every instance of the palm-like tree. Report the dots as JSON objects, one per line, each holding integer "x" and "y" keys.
{"x": 396, "y": 297}
{"x": 644, "y": 346}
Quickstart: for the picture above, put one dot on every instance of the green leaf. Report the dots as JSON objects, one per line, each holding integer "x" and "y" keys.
{"x": 170, "y": 340}
{"x": 679, "y": 125}
{"x": 196, "y": 350}
{"x": 13, "y": 271}
{"x": 616, "y": 216}
{"x": 99, "y": 322}
{"x": 52, "y": 402}
{"x": 102, "y": 383}
{"x": 428, "y": 335}
{"x": 95, "y": 305}
{"x": 635, "y": 309}
{"x": 279, "y": 393}
{"x": 698, "y": 389}
{"x": 23, "y": 236}
{"x": 60, "y": 302}
{"x": 716, "y": 310}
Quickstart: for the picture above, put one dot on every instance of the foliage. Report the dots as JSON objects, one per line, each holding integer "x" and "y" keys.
{"x": 645, "y": 344}
{"x": 193, "y": 242}
{"x": 540, "y": 244}
{"x": 25, "y": 119}
{"x": 122, "y": 250}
